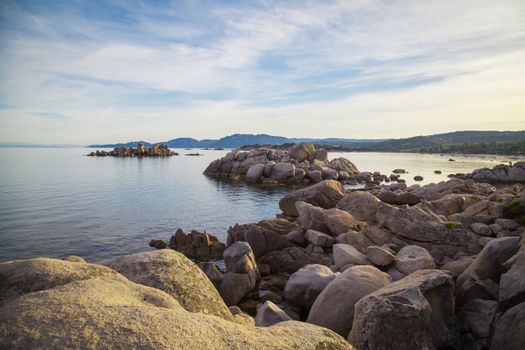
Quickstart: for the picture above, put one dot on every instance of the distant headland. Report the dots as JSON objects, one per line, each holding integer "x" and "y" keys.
{"x": 473, "y": 142}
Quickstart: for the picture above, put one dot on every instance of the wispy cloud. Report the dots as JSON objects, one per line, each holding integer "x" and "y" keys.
{"x": 124, "y": 70}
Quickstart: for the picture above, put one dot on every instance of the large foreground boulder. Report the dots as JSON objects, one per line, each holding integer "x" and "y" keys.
{"x": 325, "y": 194}
{"x": 109, "y": 313}
{"x": 26, "y": 276}
{"x": 176, "y": 275}
{"x": 334, "y": 308}
{"x": 416, "y": 312}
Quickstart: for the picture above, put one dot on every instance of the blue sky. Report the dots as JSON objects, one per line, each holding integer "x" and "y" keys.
{"x": 106, "y": 71}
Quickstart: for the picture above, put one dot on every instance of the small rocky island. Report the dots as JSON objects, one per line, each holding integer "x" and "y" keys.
{"x": 156, "y": 150}
{"x": 300, "y": 164}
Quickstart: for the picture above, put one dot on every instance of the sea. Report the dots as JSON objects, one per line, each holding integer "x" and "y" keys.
{"x": 56, "y": 202}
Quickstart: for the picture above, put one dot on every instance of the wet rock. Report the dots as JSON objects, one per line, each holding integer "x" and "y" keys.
{"x": 158, "y": 244}
{"x": 418, "y": 178}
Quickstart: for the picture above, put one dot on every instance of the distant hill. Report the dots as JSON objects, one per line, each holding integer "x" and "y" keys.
{"x": 233, "y": 141}
{"x": 433, "y": 143}
{"x": 430, "y": 143}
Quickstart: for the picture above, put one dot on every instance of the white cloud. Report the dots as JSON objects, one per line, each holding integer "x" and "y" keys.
{"x": 246, "y": 60}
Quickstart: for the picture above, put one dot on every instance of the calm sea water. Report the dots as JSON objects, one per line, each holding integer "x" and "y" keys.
{"x": 56, "y": 202}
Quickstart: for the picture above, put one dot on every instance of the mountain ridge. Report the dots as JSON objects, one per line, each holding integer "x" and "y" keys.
{"x": 420, "y": 143}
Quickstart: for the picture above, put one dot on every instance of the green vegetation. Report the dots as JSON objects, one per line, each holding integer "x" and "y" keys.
{"x": 516, "y": 147}
{"x": 452, "y": 224}
{"x": 515, "y": 210}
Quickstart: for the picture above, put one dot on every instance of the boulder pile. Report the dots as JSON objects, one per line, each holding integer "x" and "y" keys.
{"x": 300, "y": 164}
{"x": 434, "y": 266}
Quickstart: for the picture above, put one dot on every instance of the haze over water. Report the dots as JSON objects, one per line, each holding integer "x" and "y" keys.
{"x": 56, "y": 202}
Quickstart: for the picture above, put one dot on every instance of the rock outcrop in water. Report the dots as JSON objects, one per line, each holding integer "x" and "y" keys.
{"x": 157, "y": 150}
{"x": 501, "y": 173}
{"x": 300, "y": 164}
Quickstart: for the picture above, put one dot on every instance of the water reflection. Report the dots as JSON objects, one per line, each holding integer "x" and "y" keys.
{"x": 56, "y": 202}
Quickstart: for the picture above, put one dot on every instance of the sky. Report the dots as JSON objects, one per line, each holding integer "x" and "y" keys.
{"x": 113, "y": 71}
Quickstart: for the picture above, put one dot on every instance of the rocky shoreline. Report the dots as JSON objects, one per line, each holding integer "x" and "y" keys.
{"x": 439, "y": 266}
{"x": 157, "y": 150}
